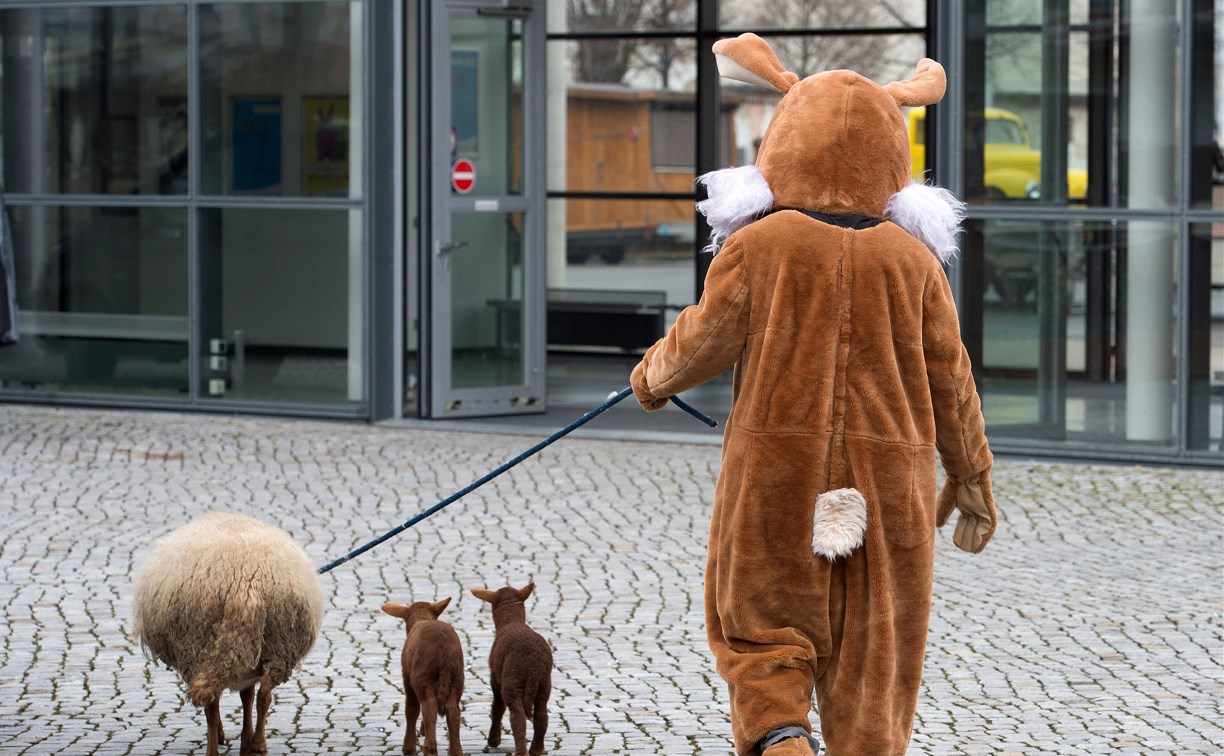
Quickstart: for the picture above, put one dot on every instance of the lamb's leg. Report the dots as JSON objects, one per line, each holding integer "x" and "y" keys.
{"x": 452, "y": 727}
{"x": 412, "y": 710}
{"x": 429, "y": 723}
{"x": 499, "y": 707}
{"x": 539, "y": 726}
{"x": 518, "y": 728}
{"x": 257, "y": 745}
{"x": 212, "y": 715}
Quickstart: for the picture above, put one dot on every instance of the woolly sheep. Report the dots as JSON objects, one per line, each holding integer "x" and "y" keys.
{"x": 227, "y": 602}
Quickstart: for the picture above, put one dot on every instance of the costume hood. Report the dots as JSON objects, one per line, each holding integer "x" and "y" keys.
{"x": 837, "y": 144}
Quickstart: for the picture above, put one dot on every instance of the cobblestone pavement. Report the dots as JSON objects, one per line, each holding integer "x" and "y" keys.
{"x": 1092, "y": 624}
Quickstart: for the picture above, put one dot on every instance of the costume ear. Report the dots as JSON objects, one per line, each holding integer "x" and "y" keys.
{"x": 750, "y": 59}
{"x": 925, "y": 87}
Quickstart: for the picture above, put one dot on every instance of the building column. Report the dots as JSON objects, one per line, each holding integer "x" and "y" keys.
{"x": 1151, "y": 181}
{"x": 555, "y": 145}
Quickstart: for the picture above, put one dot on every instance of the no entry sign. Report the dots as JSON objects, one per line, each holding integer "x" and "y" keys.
{"x": 463, "y": 175}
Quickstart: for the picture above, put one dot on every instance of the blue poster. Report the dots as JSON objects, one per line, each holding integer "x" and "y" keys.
{"x": 256, "y": 145}
{"x": 464, "y": 92}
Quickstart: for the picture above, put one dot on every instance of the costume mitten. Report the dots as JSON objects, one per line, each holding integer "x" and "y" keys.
{"x": 973, "y": 497}
{"x": 641, "y": 391}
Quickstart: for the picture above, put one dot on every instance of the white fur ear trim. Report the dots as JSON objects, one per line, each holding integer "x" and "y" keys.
{"x": 737, "y": 197}
{"x": 930, "y": 214}
{"x": 729, "y": 68}
{"x": 838, "y": 523}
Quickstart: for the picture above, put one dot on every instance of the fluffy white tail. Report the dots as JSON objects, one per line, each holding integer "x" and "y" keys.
{"x": 838, "y": 523}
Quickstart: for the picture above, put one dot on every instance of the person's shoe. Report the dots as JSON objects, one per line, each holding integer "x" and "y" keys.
{"x": 790, "y": 747}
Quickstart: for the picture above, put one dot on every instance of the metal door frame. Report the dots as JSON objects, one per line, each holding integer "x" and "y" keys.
{"x": 438, "y": 396}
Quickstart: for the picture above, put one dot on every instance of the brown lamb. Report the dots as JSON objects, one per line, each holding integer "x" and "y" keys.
{"x": 521, "y": 665}
{"x": 432, "y": 662}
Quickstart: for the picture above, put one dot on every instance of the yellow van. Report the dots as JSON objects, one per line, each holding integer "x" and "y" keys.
{"x": 1013, "y": 167}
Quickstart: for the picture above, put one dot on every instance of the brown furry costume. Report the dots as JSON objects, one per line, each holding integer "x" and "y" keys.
{"x": 849, "y": 373}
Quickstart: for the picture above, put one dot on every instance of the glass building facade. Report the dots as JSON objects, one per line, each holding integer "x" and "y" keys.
{"x": 372, "y": 209}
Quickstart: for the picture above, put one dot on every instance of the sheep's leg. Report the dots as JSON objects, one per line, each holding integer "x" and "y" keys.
{"x": 257, "y": 745}
{"x": 518, "y": 728}
{"x": 247, "y": 695}
{"x": 452, "y": 727}
{"x": 412, "y": 710}
{"x": 429, "y": 723}
{"x": 499, "y": 707}
{"x": 539, "y": 726}
{"x": 212, "y": 714}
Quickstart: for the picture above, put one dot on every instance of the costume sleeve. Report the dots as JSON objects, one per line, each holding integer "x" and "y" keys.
{"x": 707, "y": 338}
{"x": 960, "y": 430}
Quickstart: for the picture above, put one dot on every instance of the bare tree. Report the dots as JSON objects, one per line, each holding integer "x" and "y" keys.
{"x": 806, "y": 55}
{"x": 604, "y": 60}
{"x": 612, "y": 59}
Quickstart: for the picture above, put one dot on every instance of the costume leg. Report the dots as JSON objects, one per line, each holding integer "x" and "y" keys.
{"x": 879, "y": 611}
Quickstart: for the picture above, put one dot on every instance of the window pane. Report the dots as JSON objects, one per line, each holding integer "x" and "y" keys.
{"x": 625, "y": 245}
{"x": 1206, "y": 113}
{"x": 282, "y": 288}
{"x": 486, "y": 72}
{"x": 597, "y": 15}
{"x": 1078, "y": 329}
{"x": 102, "y": 298}
{"x": 277, "y": 114}
{"x": 1102, "y": 123}
{"x": 797, "y": 14}
{"x": 619, "y": 137}
{"x": 666, "y": 63}
{"x": 1206, "y": 316}
{"x": 95, "y": 100}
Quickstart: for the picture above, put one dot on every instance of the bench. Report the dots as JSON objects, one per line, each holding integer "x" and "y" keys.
{"x": 628, "y": 320}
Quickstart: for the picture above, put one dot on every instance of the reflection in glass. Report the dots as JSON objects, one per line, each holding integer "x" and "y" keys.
{"x": 1062, "y": 356}
{"x": 587, "y": 16}
{"x": 277, "y": 114}
{"x": 282, "y": 288}
{"x": 1026, "y": 142}
{"x": 626, "y": 245}
{"x": 486, "y": 260}
{"x": 1206, "y": 350}
{"x": 652, "y": 64}
{"x": 102, "y": 298}
{"x": 792, "y": 14}
{"x": 95, "y": 100}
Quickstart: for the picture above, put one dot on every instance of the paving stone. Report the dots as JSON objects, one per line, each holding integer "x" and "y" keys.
{"x": 1092, "y": 624}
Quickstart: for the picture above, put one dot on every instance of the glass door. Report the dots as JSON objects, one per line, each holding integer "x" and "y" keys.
{"x": 485, "y": 268}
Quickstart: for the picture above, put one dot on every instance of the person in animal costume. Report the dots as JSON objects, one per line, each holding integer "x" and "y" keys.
{"x": 829, "y": 298}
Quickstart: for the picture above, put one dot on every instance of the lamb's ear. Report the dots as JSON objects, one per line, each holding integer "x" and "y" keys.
{"x": 439, "y": 607}
{"x": 396, "y": 610}
{"x": 484, "y": 594}
{"x": 750, "y": 59}
{"x": 525, "y": 591}
{"x": 925, "y": 87}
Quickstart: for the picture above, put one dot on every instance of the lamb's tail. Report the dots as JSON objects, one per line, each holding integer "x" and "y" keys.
{"x": 531, "y": 696}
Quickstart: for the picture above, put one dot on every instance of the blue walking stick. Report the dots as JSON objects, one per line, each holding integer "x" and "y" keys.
{"x": 592, "y": 414}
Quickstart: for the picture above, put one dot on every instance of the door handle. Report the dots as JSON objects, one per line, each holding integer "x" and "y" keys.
{"x": 445, "y": 248}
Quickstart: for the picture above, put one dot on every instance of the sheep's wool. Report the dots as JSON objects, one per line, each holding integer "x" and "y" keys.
{"x": 223, "y": 594}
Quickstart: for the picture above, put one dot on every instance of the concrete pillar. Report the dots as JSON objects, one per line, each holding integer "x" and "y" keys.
{"x": 1151, "y": 181}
